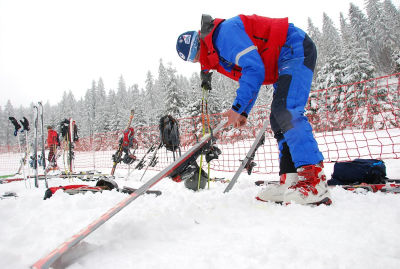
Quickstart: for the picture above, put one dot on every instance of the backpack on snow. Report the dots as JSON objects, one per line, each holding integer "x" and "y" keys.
{"x": 169, "y": 133}
{"x": 369, "y": 171}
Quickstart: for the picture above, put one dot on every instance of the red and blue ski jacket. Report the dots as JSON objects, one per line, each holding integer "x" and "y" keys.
{"x": 246, "y": 49}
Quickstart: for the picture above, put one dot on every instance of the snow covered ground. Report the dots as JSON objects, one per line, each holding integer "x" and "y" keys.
{"x": 206, "y": 229}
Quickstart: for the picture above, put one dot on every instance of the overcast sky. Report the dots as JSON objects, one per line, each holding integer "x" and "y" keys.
{"x": 51, "y": 46}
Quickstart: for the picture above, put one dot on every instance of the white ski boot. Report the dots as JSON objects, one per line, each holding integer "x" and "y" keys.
{"x": 275, "y": 192}
{"x": 311, "y": 189}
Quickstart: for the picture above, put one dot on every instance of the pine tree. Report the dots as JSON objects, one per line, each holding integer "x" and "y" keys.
{"x": 359, "y": 24}
{"x": 383, "y": 40}
{"x": 150, "y": 99}
{"x": 316, "y": 36}
{"x": 100, "y": 107}
{"x": 329, "y": 76}
{"x": 226, "y": 89}
{"x": 193, "y": 94}
{"x": 112, "y": 120}
{"x": 3, "y": 127}
{"x": 330, "y": 73}
{"x": 137, "y": 103}
{"x": 391, "y": 18}
{"x": 357, "y": 66}
{"x": 90, "y": 107}
{"x": 67, "y": 106}
{"x": 174, "y": 100}
{"x": 123, "y": 108}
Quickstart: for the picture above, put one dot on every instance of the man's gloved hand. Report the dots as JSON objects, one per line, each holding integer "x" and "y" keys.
{"x": 205, "y": 80}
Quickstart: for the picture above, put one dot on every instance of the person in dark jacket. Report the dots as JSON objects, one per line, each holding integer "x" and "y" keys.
{"x": 255, "y": 51}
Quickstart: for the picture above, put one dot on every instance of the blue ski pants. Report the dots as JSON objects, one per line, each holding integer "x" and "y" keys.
{"x": 291, "y": 128}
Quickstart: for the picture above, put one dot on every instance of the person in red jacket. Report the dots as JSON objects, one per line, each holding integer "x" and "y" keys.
{"x": 255, "y": 51}
{"x": 53, "y": 142}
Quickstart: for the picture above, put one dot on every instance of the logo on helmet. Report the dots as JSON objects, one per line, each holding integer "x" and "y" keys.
{"x": 187, "y": 38}
{"x": 181, "y": 55}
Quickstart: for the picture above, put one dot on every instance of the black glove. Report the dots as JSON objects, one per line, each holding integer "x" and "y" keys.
{"x": 25, "y": 124}
{"x": 206, "y": 80}
{"x": 16, "y": 125}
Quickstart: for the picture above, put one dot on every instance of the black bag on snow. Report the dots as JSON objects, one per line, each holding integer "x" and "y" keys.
{"x": 169, "y": 132}
{"x": 369, "y": 171}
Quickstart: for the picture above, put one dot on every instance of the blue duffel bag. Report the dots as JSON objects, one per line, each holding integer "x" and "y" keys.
{"x": 358, "y": 171}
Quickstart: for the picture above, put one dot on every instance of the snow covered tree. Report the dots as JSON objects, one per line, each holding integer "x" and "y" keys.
{"x": 391, "y": 19}
{"x": 112, "y": 119}
{"x": 138, "y": 104}
{"x": 89, "y": 117}
{"x": 383, "y": 40}
{"x": 150, "y": 99}
{"x": 359, "y": 24}
{"x": 193, "y": 101}
{"x": 316, "y": 36}
{"x": 330, "y": 73}
{"x": 122, "y": 106}
{"x": 167, "y": 86}
{"x": 396, "y": 59}
{"x": 357, "y": 66}
{"x": 67, "y": 106}
{"x": 225, "y": 88}
{"x": 101, "y": 98}
{"x": 174, "y": 99}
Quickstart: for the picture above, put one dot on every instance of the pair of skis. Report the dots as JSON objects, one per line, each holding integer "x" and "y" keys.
{"x": 105, "y": 184}
{"x": 69, "y": 140}
{"x": 390, "y": 186}
{"x": 35, "y": 145}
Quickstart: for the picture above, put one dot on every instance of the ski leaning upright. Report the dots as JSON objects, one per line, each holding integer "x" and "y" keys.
{"x": 118, "y": 154}
{"x": 43, "y": 151}
{"x": 35, "y": 147}
{"x": 248, "y": 160}
{"x": 53, "y": 256}
{"x": 71, "y": 153}
{"x": 25, "y": 125}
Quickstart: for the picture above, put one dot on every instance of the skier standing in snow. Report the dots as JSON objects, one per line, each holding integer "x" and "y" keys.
{"x": 255, "y": 51}
{"x": 53, "y": 142}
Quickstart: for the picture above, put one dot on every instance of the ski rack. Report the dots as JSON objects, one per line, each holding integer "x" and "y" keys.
{"x": 54, "y": 255}
{"x": 248, "y": 160}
